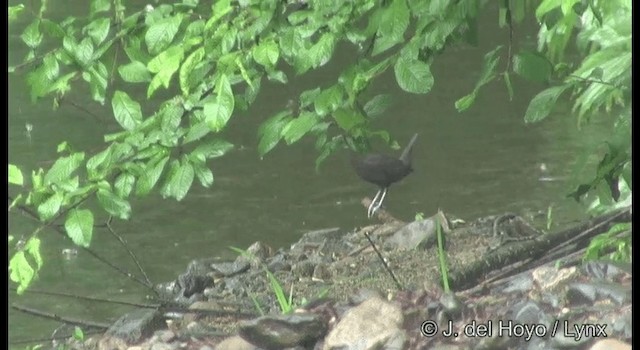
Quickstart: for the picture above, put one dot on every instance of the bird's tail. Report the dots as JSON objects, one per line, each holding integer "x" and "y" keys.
{"x": 405, "y": 157}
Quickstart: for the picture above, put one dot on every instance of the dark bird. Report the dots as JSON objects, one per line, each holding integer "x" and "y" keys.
{"x": 383, "y": 170}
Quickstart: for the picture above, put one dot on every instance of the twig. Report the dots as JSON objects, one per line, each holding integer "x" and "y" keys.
{"x": 56, "y": 317}
{"x": 393, "y": 276}
{"x": 82, "y": 297}
{"x": 131, "y": 254}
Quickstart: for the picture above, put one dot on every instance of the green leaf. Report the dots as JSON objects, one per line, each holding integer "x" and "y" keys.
{"x": 79, "y": 226}
{"x": 187, "y": 68}
{"x": 393, "y": 23}
{"x": 32, "y": 247}
{"x": 532, "y": 66}
{"x": 204, "y": 175}
{"x": 98, "y": 82}
{"x": 20, "y": 271}
{"x": 298, "y": 127}
{"x": 161, "y": 34}
{"x": 134, "y": 72}
{"x": 377, "y": 105}
{"x": 113, "y": 204}
{"x": 165, "y": 65}
{"x": 219, "y": 9}
{"x": 78, "y": 334}
{"x": 218, "y": 111}
{"x": 62, "y": 169}
{"x": 211, "y": 149}
{"x": 14, "y": 11}
{"x": 278, "y": 76}
{"x": 347, "y": 119}
{"x": 32, "y": 36}
{"x": 291, "y": 43}
{"x": 320, "y": 53}
{"x": 328, "y": 100}
{"x": 179, "y": 181}
{"x": 83, "y": 52}
{"x": 15, "y": 175}
{"x": 196, "y": 132}
{"x": 465, "y": 102}
{"x": 99, "y": 6}
{"x": 542, "y": 104}
{"x": 150, "y": 175}
{"x": 126, "y": 111}
{"x": 413, "y": 75}
{"x": 124, "y": 184}
{"x": 266, "y": 53}
{"x": 98, "y": 29}
{"x": 49, "y": 208}
{"x": 270, "y": 132}
{"x": 171, "y": 117}
{"x": 488, "y": 72}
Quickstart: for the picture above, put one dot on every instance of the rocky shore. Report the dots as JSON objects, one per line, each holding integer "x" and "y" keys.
{"x": 380, "y": 287}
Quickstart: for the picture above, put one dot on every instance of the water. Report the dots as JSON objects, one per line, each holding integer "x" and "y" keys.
{"x": 484, "y": 161}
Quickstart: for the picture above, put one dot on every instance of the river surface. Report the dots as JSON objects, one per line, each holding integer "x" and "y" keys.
{"x": 481, "y": 162}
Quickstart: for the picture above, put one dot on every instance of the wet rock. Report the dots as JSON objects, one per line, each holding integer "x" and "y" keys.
{"x": 166, "y": 336}
{"x": 136, "y": 325}
{"x": 162, "y": 346}
{"x": 606, "y": 269}
{"x": 366, "y": 326}
{"x": 256, "y": 255}
{"x": 451, "y": 304}
{"x": 319, "y": 236}
{"x": 303, "y": 269}
{"x": 519, "y": 283}
{"x": 283, "y": 331}
{"x": 321, "y": 272}
{"x": 278, "y": 263}
{"x": 587, "y": 293}
{"x": 362, "y": 295}
{"x": 549, "y": 279}
{"x": 235, "y": 343}
{"x": 111, "y": 343}
{"x": 610, "y": 344}
{"x": 527, "y": 312}
{"x": 416, "y": 235}
{"x": 228, "y": 269}
{"x": 195, "y": 279}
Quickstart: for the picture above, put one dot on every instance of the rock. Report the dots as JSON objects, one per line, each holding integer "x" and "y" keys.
{"x": 136, "y": 325}
{"x": 366, "y": 326}
{"x": 195, "y": 279}
{"x": 418, "y": 234}
{"x": 283, "y": 331}
{"x": 321, "y": 273}
{"x": 228, "y": 269}
{"x": 200, "y": 305}
{"x": 166, "y": 336}
{"x": 610, "y": 344}
{"x": 235, "y": 343}
{"x": 161, "y": 346}
{"x": 111, "y": 343}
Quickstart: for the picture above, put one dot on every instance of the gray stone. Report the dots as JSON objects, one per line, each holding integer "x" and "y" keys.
{"x": 283, "y": 331}
{"x": 161, "y": 346}
{"x": 228, "y": 269}
{"x": 418, "y": 234}
{"x": 235, "y": 343}
{"x": 136, "y": 325}
{"x": 367, "y": 326}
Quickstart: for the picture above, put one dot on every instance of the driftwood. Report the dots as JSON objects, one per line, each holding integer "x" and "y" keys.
{"x": 535, "y": 249}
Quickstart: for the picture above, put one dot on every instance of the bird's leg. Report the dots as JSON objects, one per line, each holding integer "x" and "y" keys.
{"x": 377, "y": 206}
{"x": 373, "y": 202}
